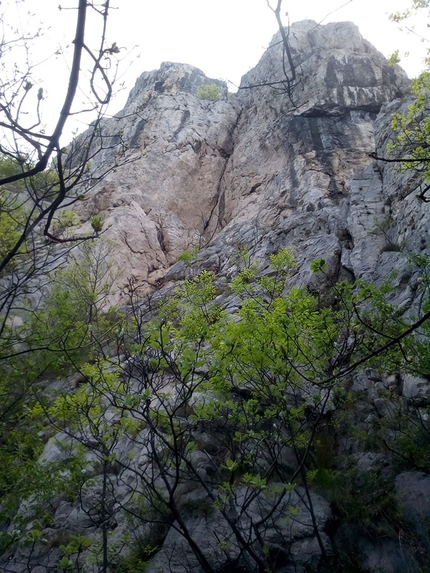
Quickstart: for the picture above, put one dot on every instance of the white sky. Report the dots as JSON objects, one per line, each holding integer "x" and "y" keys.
{"x": 224, "y": 38}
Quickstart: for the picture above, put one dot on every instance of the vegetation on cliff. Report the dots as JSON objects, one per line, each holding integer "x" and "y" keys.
{"x": 248, "y": 406}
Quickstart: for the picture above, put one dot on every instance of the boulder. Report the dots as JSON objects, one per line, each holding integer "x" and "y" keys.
{"x": 413, "y": 499}
{"x": 287, "y": 533}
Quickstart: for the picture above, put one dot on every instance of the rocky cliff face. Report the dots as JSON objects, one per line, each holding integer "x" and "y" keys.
{"x": 162, "y": 202}
{"x": 256, "y": 169}
{"x": 263, "y": 170}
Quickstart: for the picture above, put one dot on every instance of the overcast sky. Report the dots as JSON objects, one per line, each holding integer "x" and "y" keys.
{"x": 224, "y": 38}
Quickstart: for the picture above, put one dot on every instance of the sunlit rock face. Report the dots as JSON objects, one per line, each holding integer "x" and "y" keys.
{"x": 300, "y": 173}
{"x": 159, "y": 203}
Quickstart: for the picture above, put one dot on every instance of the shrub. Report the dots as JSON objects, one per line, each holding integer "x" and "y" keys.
{"x": 97, "y": 223}
{"x": 65, "y": 220}
{"x": 188, "y": 257}
{"x": 211, "y": 92}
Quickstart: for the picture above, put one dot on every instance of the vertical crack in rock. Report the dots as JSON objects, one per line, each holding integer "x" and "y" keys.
{"x": 138, "y": 130}
{"x": 184, "y": 119}
{"x": 161, "y": 239}
{"x": 219, "y": 199}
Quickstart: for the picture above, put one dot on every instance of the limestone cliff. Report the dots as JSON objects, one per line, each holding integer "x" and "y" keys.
{"x": 261, "y": 170}
{"x": 256, "y": 168}
{"x": 161, "y": 203}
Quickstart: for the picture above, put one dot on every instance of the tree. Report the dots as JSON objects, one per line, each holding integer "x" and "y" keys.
{"x": 70, "y": 326}
{"x": 211, "y": 92}
{"x": 196, "y": 405}
{"x": 23, "y": 143}
{"x": 409, "y": 145}
{"x": 415, "y": 8}
{"x": 40, "y": 180}
{"x": 39, "y": 175}
{"x": 219, "y": 414}
{"x": 289, "y": 81}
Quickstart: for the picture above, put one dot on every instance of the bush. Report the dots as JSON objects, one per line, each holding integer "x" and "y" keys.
{"x": 65, "y": 220}
{"x": 210, "y": 92}
{"x": 97, "y": 223}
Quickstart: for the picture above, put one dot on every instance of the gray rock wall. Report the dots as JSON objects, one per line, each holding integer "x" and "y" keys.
{"x": 261, "y": 168}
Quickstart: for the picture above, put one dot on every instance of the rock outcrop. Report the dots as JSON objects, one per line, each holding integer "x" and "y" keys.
{"x": 259, "y": 169}
{"x": 161, "y": 202}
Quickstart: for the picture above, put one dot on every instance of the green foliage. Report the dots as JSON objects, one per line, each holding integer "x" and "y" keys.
{"x": 65, "y": 220}
{"x": 62, "y": 333}
{"x": 44, "y": 184}
{"x": 193, "y": 315}
{"x": 188, "y": 257}
{"x": 419, "y": 353}
{"x": 411, "y": 138}
{"x": 138, "y": 559}
{"x": 394, "y": 58}
{"x": 73, "y": 316}
{"x": 15, "y": 214}
{"x": 97, "y": 223}
{"x": 407, "y": 434}
{"x": 318, "y": 266}
{"x": 12, "y": 217}
{"x": 9, "y": 167}
{"x": 71, "y": 552}
{"x": 412, "y": 129}
{"x": 265, "y": 382}
{"x": 211, "y": 92}
{"x": 416, "y": 6}
{"x": 383, "y": 228}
